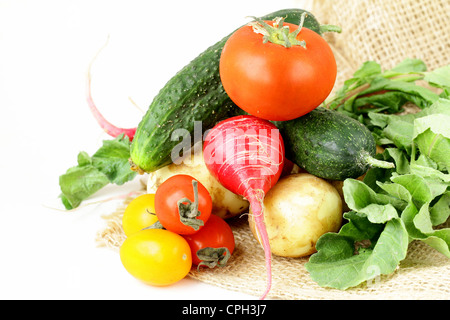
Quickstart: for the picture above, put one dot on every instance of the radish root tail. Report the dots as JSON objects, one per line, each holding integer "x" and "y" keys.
{"x": 109, "y": 128}
{"x": 257, "y": 206}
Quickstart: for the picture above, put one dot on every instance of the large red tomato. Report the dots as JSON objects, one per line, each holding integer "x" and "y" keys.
{"x": 274, "y": 82}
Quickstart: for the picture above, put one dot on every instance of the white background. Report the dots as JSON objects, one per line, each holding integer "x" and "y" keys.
{"x": 45, "y": 48}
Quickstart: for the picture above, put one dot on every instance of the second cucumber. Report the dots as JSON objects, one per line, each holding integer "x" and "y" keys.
{"x": 330, "y": 145}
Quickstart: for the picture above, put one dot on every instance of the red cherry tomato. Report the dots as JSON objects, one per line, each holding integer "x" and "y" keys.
{"x": 213, "y": 244}
{"x": 274, "y": 82}
{"x": 182, "y": 204}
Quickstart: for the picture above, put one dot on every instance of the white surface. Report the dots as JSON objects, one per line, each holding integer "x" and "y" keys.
{"x": 45, "y": 48}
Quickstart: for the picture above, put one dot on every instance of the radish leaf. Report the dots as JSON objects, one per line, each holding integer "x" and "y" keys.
{"x": 108, "y": 165}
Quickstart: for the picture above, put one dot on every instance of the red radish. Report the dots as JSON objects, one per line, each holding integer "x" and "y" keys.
{"x": 109, "y": 128}
{"x": 246, "y": 155}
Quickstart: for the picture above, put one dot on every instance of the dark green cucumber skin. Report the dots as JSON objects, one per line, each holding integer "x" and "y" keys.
{"x": 195, "y": 93}
{"x": 328, "y": 144}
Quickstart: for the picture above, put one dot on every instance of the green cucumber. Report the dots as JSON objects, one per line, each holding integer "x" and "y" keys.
{"x": 330, "y": 145}
{"x": 195, "y": 93}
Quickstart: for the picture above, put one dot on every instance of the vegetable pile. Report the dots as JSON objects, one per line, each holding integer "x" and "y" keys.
{"x": 253, "y": 108}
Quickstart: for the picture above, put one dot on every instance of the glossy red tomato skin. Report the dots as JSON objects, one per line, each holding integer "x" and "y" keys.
{"x": 273, "y": 82}
{"x": 216, "y": 233}
{"x": 167, "y": 195}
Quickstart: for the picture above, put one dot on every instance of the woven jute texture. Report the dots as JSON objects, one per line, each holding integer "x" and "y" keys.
{"x": 386, "y": 32}
{"x": 423, "y": 274}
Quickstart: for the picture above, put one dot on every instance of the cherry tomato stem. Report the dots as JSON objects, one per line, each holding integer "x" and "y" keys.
{"x": 174, "y": 206}
{"x": 139, "y": 214}
{"x": 188, "y": 210}
{"x": 212, "y": 257}
{"x": 213, "y": 245}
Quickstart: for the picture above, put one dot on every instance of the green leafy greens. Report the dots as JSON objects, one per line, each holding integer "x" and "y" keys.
{"x": 373, "y": 90}
{"x": 391, "y": 207}
{"x": 108, "y": 165}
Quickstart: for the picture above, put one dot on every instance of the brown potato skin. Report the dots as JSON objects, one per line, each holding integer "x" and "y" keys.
{"x": 297, "y": 211}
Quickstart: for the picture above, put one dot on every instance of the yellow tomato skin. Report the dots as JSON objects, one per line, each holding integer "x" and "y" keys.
{"x": 156, "y": 256}
{"x": 139, "y": 214}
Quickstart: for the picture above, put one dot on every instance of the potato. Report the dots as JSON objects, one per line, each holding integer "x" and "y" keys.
{"x": 297, "y": 211}
{"x": 226, "y": 204}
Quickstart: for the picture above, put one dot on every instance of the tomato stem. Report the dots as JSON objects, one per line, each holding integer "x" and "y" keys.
{"x": 278, "y": 33}
{"x": 212, "y": 257}
{"x": 156, "y": 225}
{"x": 300, "y": 26}
{"x": 188, "y": 210}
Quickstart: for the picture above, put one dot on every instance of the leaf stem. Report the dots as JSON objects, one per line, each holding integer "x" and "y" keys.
{"x": 355, "y": 91}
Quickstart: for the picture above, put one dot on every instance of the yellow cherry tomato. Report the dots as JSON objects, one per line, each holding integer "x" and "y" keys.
{"x": 156, "y": 256}
{"x": 139, "y": 214}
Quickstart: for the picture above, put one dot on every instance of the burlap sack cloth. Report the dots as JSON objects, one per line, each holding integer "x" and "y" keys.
{"x": 385, "y": 31}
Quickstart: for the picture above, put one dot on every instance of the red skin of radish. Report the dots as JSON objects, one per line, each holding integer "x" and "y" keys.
{"x": 246, "y": 155}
